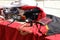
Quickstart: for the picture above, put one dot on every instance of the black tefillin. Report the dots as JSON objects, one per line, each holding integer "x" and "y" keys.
{"x": 31, "y": 15}
{"x": 11, "y": 13}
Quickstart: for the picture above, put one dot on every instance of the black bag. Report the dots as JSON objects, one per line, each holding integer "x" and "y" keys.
{"x": 54, "y": 26}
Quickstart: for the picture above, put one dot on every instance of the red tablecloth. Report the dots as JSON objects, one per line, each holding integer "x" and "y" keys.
{"x": 9, "y": 33}
{"x": 53, "y": 37}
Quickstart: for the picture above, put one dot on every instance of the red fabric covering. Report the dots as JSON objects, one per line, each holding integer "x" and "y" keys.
{"x": 11, "y": 33}
{"x": 54, "y": 37}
